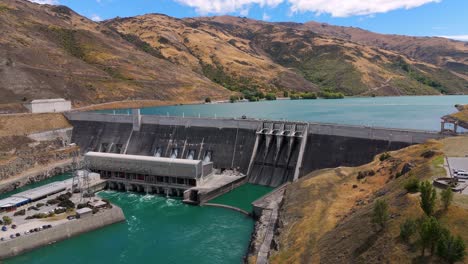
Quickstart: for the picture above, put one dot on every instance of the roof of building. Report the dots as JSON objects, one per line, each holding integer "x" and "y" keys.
{"x": 42, "y": 191}
{"x": 12, "y": 201}
{"x": 156, "y": 166}
{"x": 84, "y": 210}
{"x": 38, "y": 101}
{"x": 143, "y": 158}
{"x": 98, "y": 203}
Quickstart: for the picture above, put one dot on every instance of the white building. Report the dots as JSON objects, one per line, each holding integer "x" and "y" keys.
{"x": 48, "y": 105}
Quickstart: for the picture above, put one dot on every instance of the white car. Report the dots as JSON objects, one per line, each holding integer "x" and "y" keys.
{"x": 461, "y": 175}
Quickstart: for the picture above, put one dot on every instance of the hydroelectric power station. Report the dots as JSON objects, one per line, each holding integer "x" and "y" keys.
{"x": 200, "y": 158}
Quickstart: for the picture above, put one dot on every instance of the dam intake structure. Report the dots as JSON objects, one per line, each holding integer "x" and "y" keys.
{"x": 266, "y": 152}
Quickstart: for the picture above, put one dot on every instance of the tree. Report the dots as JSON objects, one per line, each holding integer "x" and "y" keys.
{"x": 6, "y": 220}
{"x": 380, "y": 214}
{"x": 450, "y": 248}
{"x": 407, "y": 229}
{"x": 428, "y": 197}
{"x": 285, "y": 94}
{"x": 412, "y": 185}
{"x": 446, "y": 197}
{"x": 208, "y": 100}
{"x": 429, "y": 232}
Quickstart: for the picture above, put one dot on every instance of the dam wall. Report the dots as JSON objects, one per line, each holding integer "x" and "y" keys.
{"x": 268, "y": 152}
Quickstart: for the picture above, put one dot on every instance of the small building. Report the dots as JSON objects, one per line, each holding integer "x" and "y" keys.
{"x": 22, "y": 198}
{"x": 171, "y": 176}
{"x": 84, "y": 212}
{"x": 98, "y": 204}
{"x": 48, "y": 105}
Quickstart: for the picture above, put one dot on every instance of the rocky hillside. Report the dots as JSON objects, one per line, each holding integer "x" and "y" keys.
{"x": 241, "y": 53}
{"x": 51, "y": 51}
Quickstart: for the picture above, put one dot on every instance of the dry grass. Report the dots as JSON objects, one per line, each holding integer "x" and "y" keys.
{"x": 326, "y": 219}
{"x": 25, "y": 124}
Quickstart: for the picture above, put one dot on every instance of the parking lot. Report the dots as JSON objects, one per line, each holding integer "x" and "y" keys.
{"x": 459, "y": 163}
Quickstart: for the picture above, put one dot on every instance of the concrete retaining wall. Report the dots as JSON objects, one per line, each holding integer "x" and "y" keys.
{"x": 205, "y": 197}
{"x": 14, "y": 247}
{"x": 65, "y": 134}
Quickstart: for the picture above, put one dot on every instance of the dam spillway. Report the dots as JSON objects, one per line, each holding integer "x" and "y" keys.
{"x": 268, "y": 152}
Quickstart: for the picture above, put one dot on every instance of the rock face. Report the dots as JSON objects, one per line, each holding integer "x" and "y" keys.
{"x": 23, "y": 161}
{"x": 37, "y": 176}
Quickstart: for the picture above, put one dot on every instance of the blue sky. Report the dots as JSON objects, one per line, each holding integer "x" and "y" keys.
{"x": 407, "y": 17}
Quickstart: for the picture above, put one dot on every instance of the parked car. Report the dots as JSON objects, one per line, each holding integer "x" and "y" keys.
{"x": 13, "y": 226}
{"x": 12, "y": 236}
{"x": 18, "y": 234}
{"x": 462, "y": 175}
{"x": 4, "y": 228}
{"x": 2, "y": 239}
{"x": 26, "y": 232}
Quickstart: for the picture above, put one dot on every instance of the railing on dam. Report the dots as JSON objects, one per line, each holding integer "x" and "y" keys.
{"x": 367, "y": 132}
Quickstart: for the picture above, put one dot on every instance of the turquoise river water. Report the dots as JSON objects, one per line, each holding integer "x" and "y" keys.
{"x": 414, "y": 112}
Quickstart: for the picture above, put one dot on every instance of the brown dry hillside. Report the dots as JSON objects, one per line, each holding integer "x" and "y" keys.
{"x": 326, "y": 216}
{"x": 241, "y": 53}
{"x": 439, "y": 51}
{"x": 50, "y": 51}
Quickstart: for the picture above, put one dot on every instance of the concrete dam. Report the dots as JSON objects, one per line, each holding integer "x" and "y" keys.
{"x": 266, "y": 152}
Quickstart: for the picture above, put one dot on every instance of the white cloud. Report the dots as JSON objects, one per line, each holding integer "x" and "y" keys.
{"x": 226, "y": 6}
{"x": 49, "y": 2}
{"x": 336, "y": 8}
{"x": 457, "y": 37}
{"x": 96, "y": 18}
{"x": 340, "y": 8}
{"x": 266, "y": 17}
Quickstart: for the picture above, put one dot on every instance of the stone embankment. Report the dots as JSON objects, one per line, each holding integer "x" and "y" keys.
{"x": 266, "y": 211}
{"x": 14, "y": 247}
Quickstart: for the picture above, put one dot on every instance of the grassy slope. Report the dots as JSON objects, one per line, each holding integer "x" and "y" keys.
{"x": 54, "y": 52}
{"x": 325, "y": 219}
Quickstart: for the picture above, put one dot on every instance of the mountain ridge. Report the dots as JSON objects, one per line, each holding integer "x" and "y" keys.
{"x": 51, "y": 51}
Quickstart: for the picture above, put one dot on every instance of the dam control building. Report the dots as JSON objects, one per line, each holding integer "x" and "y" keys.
{"x": 173, "y": 154}
{"x": 161, "y": 175}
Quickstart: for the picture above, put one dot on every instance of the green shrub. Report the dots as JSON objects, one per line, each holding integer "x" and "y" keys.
{"x": 450, "y": 248}
{"x": 446, "y": 197}
{"x": 6, "y": 220}
{"x": 380, "y": 214}
{"x": 407, "y": 229}
{"x": 309, "y": 95}
{"x": 428, "y": 197}
{"x": 208, "y": 100}
{"x": 384, "y": 156}
{"x": 331, "y": 95}
{"x": 270, "y": 96}
{"x": 67, "y": 204}
{"x": 21, "y": 212}
{"x": 285, "y": 94}
{"x": 233, "y": 98}
{"x": 412, "y": 185}
{"x": 294, "y": 97}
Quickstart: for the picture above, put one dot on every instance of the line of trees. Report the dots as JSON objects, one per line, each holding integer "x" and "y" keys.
{"x": 431, "y": 235}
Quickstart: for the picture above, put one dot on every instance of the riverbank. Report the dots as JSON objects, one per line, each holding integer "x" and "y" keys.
{"x": 36, "y": 174}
